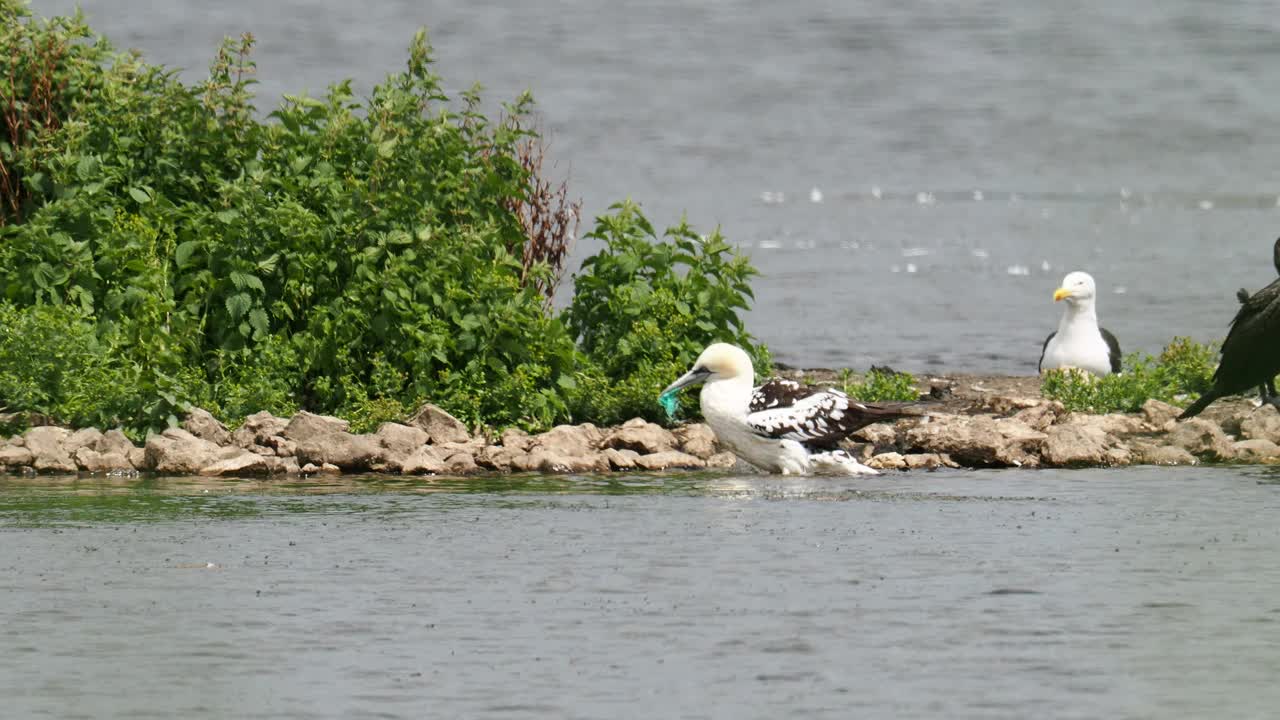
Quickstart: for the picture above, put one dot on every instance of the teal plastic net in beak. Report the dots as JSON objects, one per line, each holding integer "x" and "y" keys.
{"x": 670, "y": 403}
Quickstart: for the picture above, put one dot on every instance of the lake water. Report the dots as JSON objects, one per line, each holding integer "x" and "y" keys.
{"x": 1144, "y": 593}
{"x": 966, "y": 155}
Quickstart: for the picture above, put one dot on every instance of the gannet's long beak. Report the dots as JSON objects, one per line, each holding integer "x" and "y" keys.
{"x": 1061, "y": 294}
{"x": 693, "y": 377}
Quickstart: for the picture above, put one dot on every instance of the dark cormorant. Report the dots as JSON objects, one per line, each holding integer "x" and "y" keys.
{"x": 1251, "y": 352}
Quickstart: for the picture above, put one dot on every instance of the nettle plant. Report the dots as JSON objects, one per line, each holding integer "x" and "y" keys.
{"x": 645, "y": 306}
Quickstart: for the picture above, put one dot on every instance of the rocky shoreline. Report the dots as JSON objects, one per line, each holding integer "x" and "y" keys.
{"x": 978, "y": 422}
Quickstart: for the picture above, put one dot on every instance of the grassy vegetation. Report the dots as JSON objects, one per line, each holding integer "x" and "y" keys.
{"x": 164, "y": 245}
{"x": 1183, "y": 370}
{"x": 880, "y": 386}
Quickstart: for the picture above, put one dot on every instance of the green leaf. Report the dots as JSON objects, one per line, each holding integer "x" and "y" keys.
{"x": 238, "y": 305}
{"x": 183, "y": 252}
{"x": 226, "y": 217}
{"x": 258, "y": 319}
{"x": 140, "y": 195}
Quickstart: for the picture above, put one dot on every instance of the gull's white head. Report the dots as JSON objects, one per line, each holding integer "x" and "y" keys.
{"x": 720, "y": 361}
{"x": 1076, "y": 286}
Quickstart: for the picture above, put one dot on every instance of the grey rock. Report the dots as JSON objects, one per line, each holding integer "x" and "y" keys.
{"x": 1157, "y": 413}
{"x": 84, "y": 437}
{"x": 1201, "y": 438}
{"x": 245, "y": 463}
{"x": 91, "y": 460}
{"x": 306, "y": 427}
{"x": 348, "y": 452}
{"x": 928, "y": 461}
{"x": 1075, "y": 444}
{"x": 888, "y": 461}
{"x": 422, "y": 461}
{"x": 1261, "y": 424}
{"x": 498, "y": 457}
{"x": 439, "y": 425}
{"x": 204, "y": 425}
{"x": 621, "y": 459}
{"x": 1163, "y": 455}
{"x": 1256, "y": 450}
{"x": 569, "y": 440}
{"x": 722, "y": 460}
{"x": 257, "y": 428}
{"x": 1042, "y": 415}
{"x": 177, "y": 451}
{"x": 115, "y": 442}
{"x": 697, "y": 439}
{"x": 643, "y": 437}
{"x": 516, "y": 439}
{"x": 978, "y": 440}
{"x": 401, "y": 440}
{"x": 669, "y": 459}
{"x": 880, "y": 435}
{"x": 461, "y": 463}
{"x": 12, "y": 456}
{"x": 48, "y": 451}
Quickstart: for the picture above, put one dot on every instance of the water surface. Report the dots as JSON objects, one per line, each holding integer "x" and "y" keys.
{"x": 1136, "y": 593}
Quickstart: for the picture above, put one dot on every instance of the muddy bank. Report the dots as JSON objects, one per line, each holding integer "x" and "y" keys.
{"x": 977, "y": 421}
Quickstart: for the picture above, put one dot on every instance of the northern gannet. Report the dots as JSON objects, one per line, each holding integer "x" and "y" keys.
{"x": 1078, "y": 341}
{"x": 781, "y": 426}
{"x": 1251, "y": 352}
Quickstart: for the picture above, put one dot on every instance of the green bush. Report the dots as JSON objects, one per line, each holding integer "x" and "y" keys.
{"x": 644, "y": 307}
{"x": 1183, "y": 368}
{"x": 343, "y": 255}
{"x": 880, "y": 386}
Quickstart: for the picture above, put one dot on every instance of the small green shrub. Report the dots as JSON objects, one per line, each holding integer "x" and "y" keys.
{"x": 645, "y": 307}
{"x": 1183, "y": 368}
{"x": 880, "y": 386}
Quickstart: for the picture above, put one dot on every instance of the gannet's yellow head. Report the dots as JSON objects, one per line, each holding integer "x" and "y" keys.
{"x": 720, "y": 361}
{"x": 1076, "y": 286}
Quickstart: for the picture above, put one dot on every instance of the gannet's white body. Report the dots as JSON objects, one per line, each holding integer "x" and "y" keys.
{"x": 1079, "y": 342}
{"x": 780, "y": 427}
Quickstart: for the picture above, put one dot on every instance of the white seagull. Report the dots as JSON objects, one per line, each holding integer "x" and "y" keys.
{"x": 781, "y": 426}
{"x": 1079, "y": 342}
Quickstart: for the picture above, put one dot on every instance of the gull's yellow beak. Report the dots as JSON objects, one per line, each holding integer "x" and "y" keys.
{"x": 1060, "y": 294}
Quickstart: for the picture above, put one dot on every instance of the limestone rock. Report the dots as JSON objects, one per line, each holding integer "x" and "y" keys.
{"x": 1163, "y": 455}
{"x": 1075, "y": 443}
{"x": 91, "y": 460}
{"x": 643, "y": 437}
{"x": 85, "y": 437}
{"x": 46, "y": 445}
{"x": 257, "y": 428}
{"x": 569, "y": 440}
{"x": 245, "y": 463}
{"x": 178, "y": 451}
{"x": 669, "y": 459}
{"x": 978, "y": 440}
{"x": 204, "y": 425}
{"x": 496, "y": 457}
{"x": 439, "y": 425}
{"x": 1008, "y": 405}
{"x": 888, "y": 461}
{"x": 422, "y": 461}
{"x": 928, "y": 461}
{"x": 621, "y": 459}
{"x": 878, "y": 434}
{"x": 283, "y": 446}
{"x": 306, "y": 427}
{"x": 1201, "y": 438}
{"x": 722, "y": 460}
{"x": 461, "y": 463}
{"x": 13, "y": 456}
{"x": 1042, "y": 415}
{"x": 115, "y": 441}
{"x": 1157, "y": 413}
{"x": 1256, "y": 449}
{"x": 543, "y": 460}
{"x": 342, "y": 449}
{"x": 1262, "y": 424}
{"x": 516, "y": 439}
{"x": 697, "y": 439}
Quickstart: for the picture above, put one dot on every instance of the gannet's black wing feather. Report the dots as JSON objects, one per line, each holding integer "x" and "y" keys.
{"x": 777, "y": 392}
{"x": 820, "y": 417}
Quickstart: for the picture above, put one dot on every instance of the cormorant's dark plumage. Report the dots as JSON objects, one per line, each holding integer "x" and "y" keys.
{"x": 1251, "y": 352}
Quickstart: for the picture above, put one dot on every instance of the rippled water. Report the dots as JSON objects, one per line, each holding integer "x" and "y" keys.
{"x": 966, "y": 155}
{"x": 1137, "y": 593}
